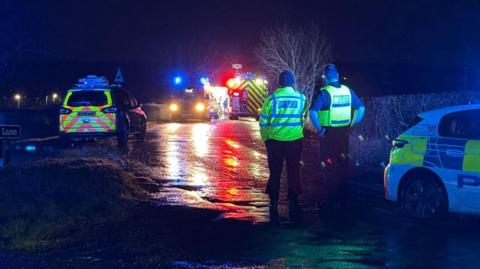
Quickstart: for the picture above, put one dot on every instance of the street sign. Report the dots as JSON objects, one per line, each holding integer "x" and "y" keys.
{"x": 9, "y": 131}
{"x": 119, "y": 77}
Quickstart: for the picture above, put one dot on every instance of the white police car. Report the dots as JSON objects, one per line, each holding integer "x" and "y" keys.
{"x": 435, "y": 165}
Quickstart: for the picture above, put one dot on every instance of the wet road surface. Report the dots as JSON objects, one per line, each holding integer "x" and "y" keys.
{"x": 218, "y": 165}
{"x": 221, "y": 166}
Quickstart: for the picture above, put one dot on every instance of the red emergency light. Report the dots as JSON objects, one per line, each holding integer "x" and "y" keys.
{"x": 231, "y": 83}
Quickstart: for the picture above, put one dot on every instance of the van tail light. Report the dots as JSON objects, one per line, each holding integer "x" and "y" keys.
{"x": 65, "y": 111}
{"x": 111, "y": 109}
{"x": 399, "y": 143}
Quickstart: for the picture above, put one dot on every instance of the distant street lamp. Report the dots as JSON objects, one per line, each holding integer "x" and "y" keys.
{"x": 18, "y": 98}
{"x": 54, "y": 98}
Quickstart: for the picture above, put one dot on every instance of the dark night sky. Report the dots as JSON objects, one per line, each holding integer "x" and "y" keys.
{"x": 437, "y": 34}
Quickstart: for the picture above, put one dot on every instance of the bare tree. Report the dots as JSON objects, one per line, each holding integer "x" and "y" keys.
{"x": 301, "y": 49}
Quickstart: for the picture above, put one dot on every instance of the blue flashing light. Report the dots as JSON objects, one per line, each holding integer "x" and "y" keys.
{"x": 91, "y": 82}
{"x": 204, "y": 80}
{"x": 30, "y": 148}
{"x": 178, "y": 80}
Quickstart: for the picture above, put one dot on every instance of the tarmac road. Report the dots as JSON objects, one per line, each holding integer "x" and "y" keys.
{"x": 213, "y": 176}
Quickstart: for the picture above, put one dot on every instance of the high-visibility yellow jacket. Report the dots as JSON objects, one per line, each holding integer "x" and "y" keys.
{"x": 339, "y": 114}
{"x": 282, "y": 115}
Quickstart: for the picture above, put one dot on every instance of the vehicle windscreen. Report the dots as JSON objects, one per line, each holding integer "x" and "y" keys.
{"x": 87, "y": 98}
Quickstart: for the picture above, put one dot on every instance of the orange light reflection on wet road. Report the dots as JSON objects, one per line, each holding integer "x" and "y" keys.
{"x": 232, "y": 191}
{"x": 231, "y": 161}
{"x": 232, "y": 143}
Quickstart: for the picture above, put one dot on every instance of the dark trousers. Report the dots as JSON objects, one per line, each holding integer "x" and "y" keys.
{"x": 334, "y": 155}
{"x": 279, "y": 152}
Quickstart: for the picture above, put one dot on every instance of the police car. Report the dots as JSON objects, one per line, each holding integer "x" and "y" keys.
{"x": 435, "y": 165}
{"x": 94, "y": 108}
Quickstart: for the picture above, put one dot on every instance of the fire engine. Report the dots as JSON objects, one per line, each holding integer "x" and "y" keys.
{"x": 246, "y": 92}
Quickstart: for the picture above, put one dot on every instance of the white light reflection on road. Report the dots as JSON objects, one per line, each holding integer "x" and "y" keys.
{"x": 174, "y": 166}
{"x": 199, "y": 177}
{"x": 200, "y": 136}
{"x": 173, "y": 127}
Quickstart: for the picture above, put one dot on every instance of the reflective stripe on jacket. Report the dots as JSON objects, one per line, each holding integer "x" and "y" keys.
{"x": 282, "y": 115}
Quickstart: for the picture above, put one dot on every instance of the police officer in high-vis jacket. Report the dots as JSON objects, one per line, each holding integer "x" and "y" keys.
{"x": 281, "y": 127}
{"x": 335, "y": 109}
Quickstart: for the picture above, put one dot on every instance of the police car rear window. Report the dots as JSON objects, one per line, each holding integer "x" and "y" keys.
{"x": 88, "y": 98}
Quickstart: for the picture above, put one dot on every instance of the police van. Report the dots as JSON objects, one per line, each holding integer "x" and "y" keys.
{"x": 435, "y": 165}
{"x": 93, "y": 108}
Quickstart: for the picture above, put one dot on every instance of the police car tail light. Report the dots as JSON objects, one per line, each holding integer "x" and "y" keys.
{"x": 111, "y": 109}
{"x": 399, "y": 143}
{"x": 65, "y": 111}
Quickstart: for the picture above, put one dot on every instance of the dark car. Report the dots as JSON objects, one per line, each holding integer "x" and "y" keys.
{"x": 93, "y": 108}
{"x": 189, "y": 104}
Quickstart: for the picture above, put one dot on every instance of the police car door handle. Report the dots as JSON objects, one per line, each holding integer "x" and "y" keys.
{"x": 454, "y": 153}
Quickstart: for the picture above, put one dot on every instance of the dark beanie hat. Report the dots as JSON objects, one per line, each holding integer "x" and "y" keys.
{"x": 329, "y": 68}
{"x": 286, "y": 79}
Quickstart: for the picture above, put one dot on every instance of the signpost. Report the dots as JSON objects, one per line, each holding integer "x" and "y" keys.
{"x": 237, "y": 68}
{"x": 7, "y": 132}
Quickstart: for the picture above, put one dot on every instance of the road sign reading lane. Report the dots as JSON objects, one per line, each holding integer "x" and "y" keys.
{"x": 9, "y": 131}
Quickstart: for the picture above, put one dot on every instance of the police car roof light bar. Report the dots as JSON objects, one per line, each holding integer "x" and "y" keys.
{"x": 92, "y": 82}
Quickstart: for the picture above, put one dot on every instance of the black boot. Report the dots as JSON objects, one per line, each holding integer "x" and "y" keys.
{"x": 273, "y": 211}
{"x": 294, "y": 211}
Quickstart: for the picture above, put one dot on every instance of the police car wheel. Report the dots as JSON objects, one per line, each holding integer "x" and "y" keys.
{"x": 423, "y": 199}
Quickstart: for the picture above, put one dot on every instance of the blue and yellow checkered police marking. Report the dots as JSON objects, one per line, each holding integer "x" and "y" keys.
{"x": 438, "y": 152}
{"x": 471, "y": 160}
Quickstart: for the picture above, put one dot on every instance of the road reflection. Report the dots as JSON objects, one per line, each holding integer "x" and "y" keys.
{"x": 200, "y": 137}
{"x": 174, "y": 166}
{"x": 214, "y": 165}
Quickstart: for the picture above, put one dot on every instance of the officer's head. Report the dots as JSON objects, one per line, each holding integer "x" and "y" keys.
{"x": 286, "y": 79}
{"x": 330, "y": 74}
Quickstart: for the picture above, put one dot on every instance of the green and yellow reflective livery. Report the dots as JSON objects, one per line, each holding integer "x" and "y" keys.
{"x": 88, "y": 112}
{"x": 94, "y": 108}
{"x": 434, "y": 166}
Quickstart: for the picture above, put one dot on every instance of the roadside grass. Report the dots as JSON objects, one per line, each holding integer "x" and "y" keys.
{"x": 47, "y": 203}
